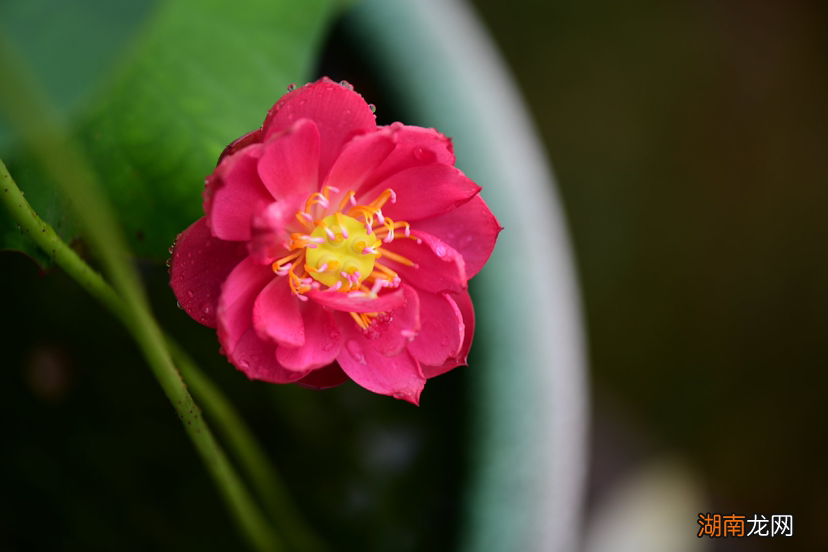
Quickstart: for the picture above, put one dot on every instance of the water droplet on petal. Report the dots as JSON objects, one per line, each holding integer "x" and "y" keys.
{"x": 206, "y": 310}
{"x": 356, "y": 351}
{"x": 346, "y": 84}
{"x": 372, "y": 107}
{"x": 178, "y": 304}
{"x": 440, "y": 250}
{"x": 444, "y": 342}
{"x": 169, "y": 261}
{"x": 190, "y": 294}
{"x": 291, "y": 87}
{"x": 424, "y": 155}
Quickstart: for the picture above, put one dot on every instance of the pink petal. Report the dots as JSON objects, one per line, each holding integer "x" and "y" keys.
{"x": 438, "y": 267}
{"x": 471, "y": 230}
{"x": 416, "y": 146}
{"x": 324, "y": 378}
{"x": 257, "y": 359}
{"x": 339, "y": 301}
{"x": 238, "y": 294}
{"x": 464, "y": 304}
{"x": 289, "y": 165}
{"x": 425, "y": 192}
{"x": 323, "y": 341}
{"x": 200, "y": 263}
{"x": 276, "y": 314}
{"x": 399, "y": 376}
{"x": 390, "y": 332}
{"x": 359, "y": 158}
{"x": 234, "y": 193}
{"x": 270, "y": 231}
{"x": 442, "y": 330}
{"x": 339, "y": 113}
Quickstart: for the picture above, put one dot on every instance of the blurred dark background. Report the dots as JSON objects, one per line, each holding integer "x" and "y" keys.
{"x": 689, "y": 143}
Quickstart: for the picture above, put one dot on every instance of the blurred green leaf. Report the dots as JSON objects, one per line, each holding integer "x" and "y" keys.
{"x": 68, "y": 48}
{"x": 199, "y": 75}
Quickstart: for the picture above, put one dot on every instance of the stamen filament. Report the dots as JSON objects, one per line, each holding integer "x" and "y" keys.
{"x": 358, "y": 319}
{"x": 305, "y": 219}
{"x": 397, "y": 258}
{"x": 383, "y": 197}
{"x": 286, "y": 259}
{"x": 349, "y": 198}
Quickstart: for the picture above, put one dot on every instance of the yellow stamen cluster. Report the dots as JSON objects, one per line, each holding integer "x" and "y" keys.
{"x": 341, "y": 248}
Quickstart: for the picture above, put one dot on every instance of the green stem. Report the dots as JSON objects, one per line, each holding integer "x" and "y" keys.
{"x": 66, "y": 164}
{"x": 248, "y": 453}
{"x": 228, "y": 421}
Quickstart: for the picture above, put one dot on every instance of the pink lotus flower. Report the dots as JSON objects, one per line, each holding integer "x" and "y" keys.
{"x": 332, "y": 248}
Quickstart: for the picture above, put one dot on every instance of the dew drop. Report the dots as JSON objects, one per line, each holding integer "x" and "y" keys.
{"x": 444, "y": 342}
{"x": 466, "y": 240}
{"x": 372, "y": 107}
{"x": 334, "y": 335}
{"x": 169, "y": 261}
{"x": 206, "y": 310}
{"x": 440, "y": 251}
{"x": 328, "y": 346}
{"x": 424, "y": 155}
{"x": 170, "y": 249}
{"x": 244, "y": 364}
{"x": 178, "y": 304}
{"x": 190, "y": 294}
{"x": 347, "y": 85}
{"x": 291, "y": 87}
{"x": 356, "y": 351}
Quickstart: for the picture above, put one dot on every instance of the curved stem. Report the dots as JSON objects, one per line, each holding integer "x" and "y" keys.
{"x": 248, "y": 453}
{"x": 66, "y": 164}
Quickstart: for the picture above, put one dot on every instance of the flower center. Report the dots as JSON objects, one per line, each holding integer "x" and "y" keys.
{"x": 341, "y": 248}
{"x": 346, "y": 254}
